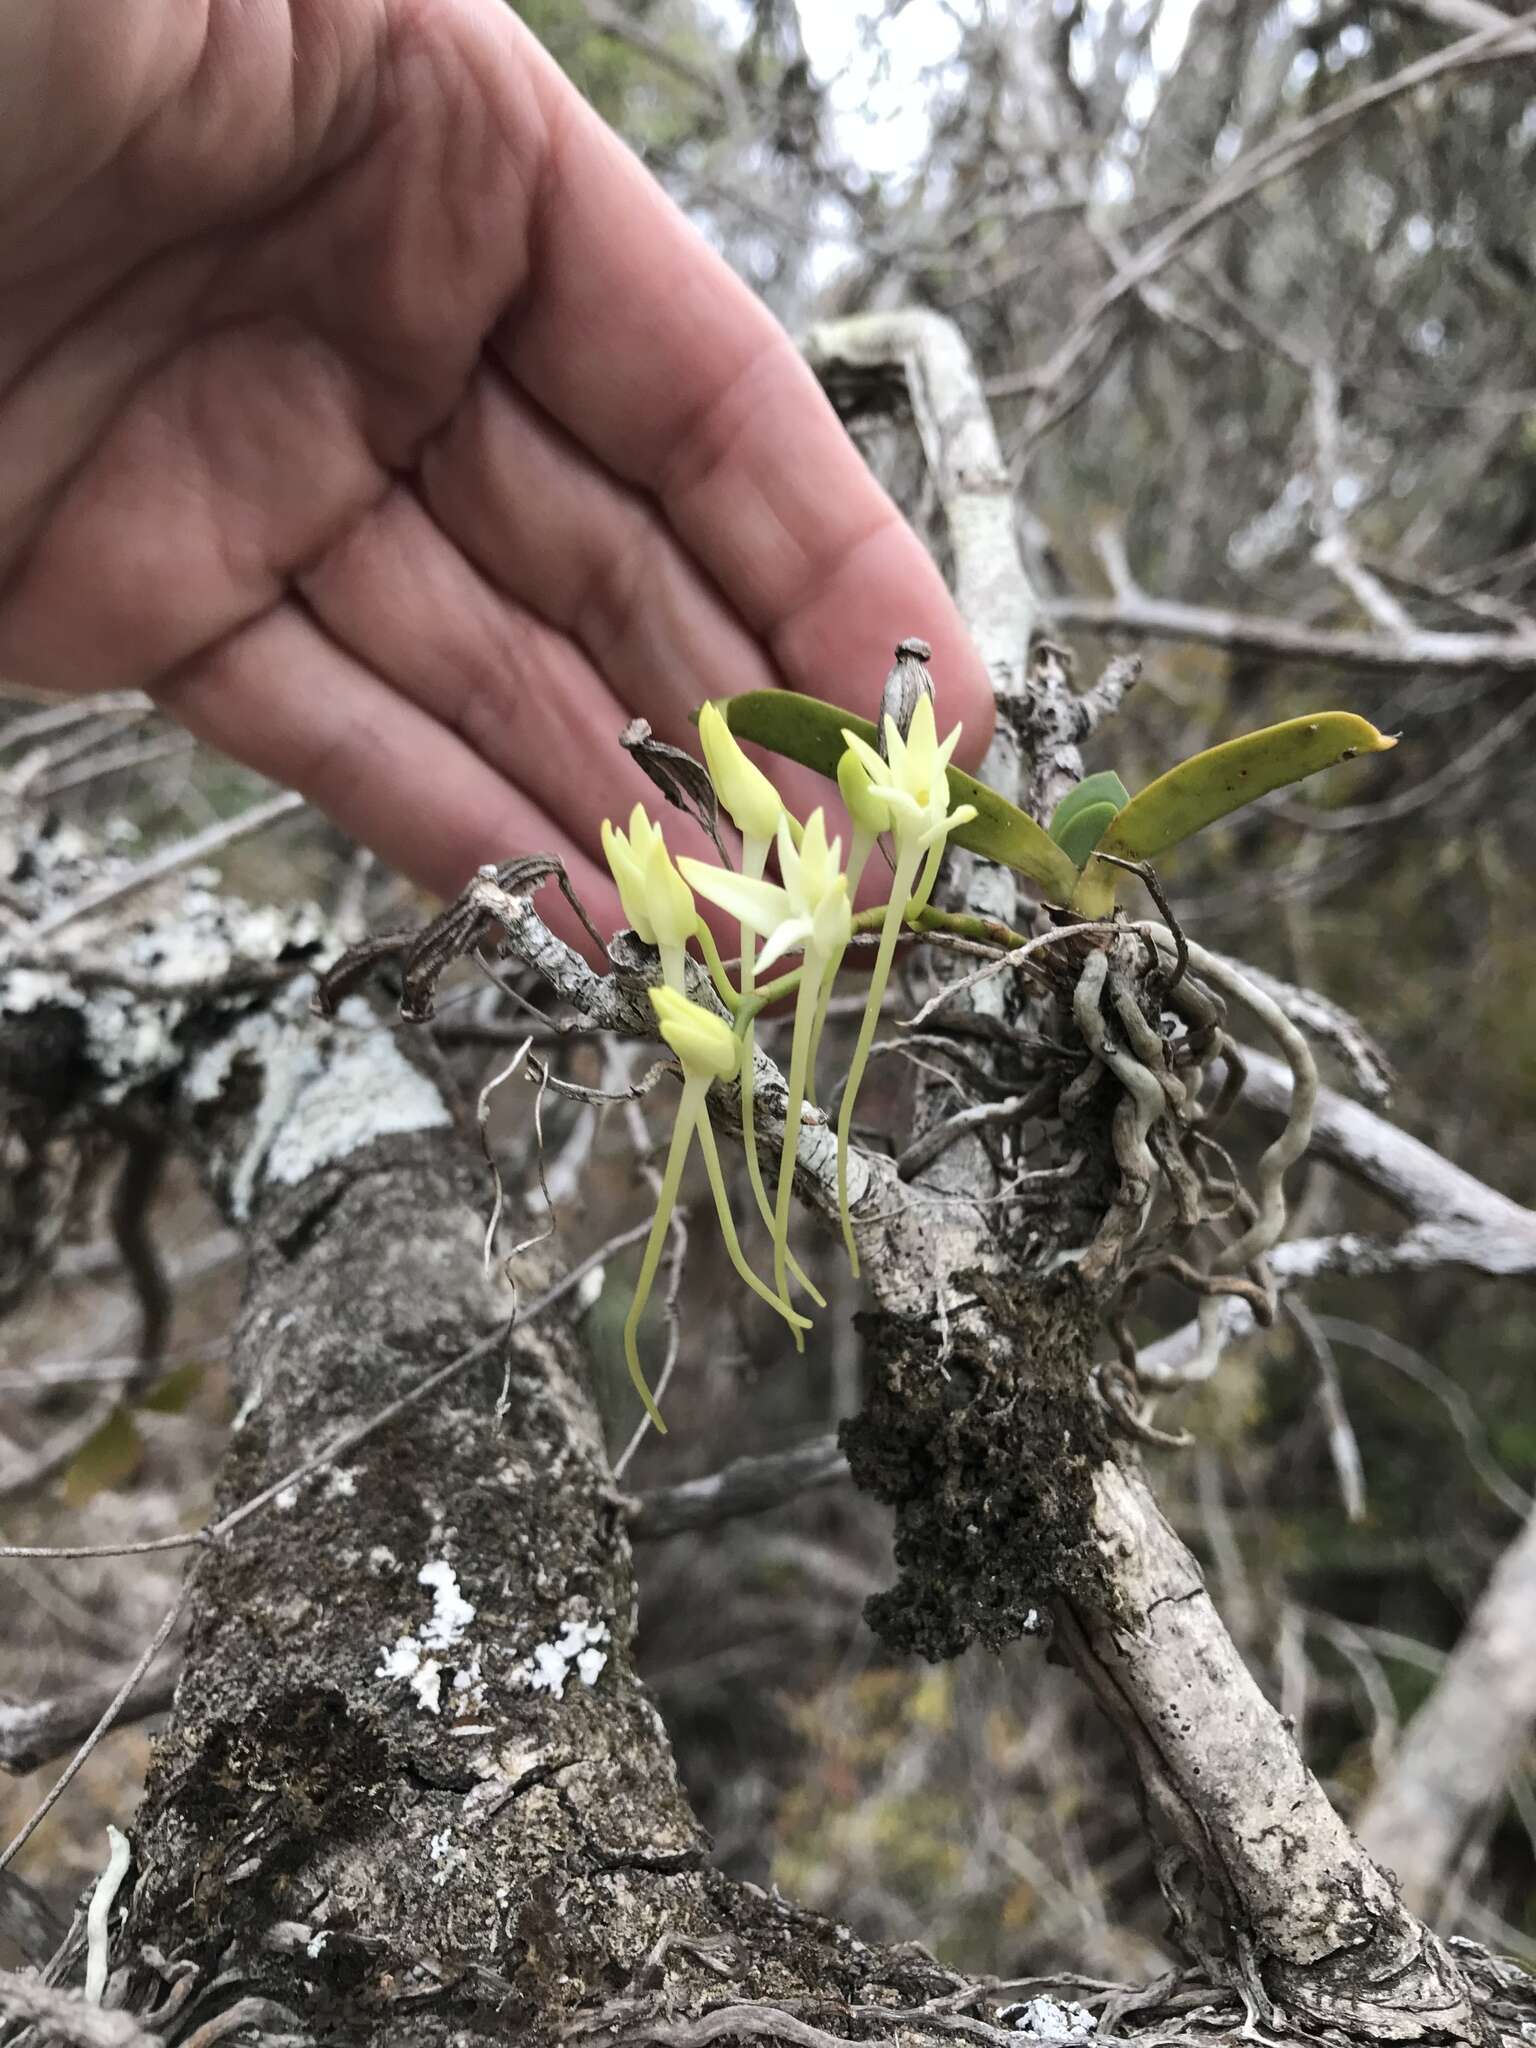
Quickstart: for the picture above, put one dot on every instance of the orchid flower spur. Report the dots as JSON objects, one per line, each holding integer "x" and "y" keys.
{"x": 809, "y": 914}
{"x": 708, "y": 1050}
{"x": 656, "y": 899}
{"x": 913, "y": 786}
{"x": 756, "y": 809}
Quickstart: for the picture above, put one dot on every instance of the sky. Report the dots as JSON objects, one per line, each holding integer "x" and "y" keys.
{"x": 875, "y": 90}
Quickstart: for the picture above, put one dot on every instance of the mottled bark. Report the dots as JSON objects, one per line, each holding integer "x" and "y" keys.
{"x": 1264, "y": 1879}
{"x": 494, "y": 1836}
{"x": 411, "y": 1789}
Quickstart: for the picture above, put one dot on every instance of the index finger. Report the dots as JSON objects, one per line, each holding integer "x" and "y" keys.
{"x": 645, "y": 346}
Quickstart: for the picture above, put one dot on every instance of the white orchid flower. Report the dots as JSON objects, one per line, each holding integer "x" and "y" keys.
{"x": 657, "y": 901}
{"x": 808, "y": 913}
{"x": 812, "y": 900}
{"x": 750, "y": 799}
{"x": 913, "y": 786}
{"x": 707, "y": 1050}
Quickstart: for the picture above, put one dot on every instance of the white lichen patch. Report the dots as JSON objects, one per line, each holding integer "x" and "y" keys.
{"x": 446, "y": 1856}
{"x": 451, "y": 1612}
{"x": 445, "y": 1626}
{"x": 548, "y": 1666}
{"x": 1050, "y": 2019}
{"x": 327, "y": 1090}
{"x": 27, "y": 988}
{"x": 342, "y": 1484}
{"x": 382, "y": 1559}
{"x": 196, "y": 939}
{"x": 287, "y": 1497}
{"x": 424, "y": 1674}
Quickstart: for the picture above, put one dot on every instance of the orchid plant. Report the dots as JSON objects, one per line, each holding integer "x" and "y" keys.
{"x": 898, "y": 787}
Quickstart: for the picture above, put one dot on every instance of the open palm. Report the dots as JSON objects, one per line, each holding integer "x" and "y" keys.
{"x": 363, "y": 400}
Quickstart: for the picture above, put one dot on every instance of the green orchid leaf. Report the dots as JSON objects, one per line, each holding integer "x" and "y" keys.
{"x": 108, "y": 1458}
{"x": 175, "y": 1391}
{"x": 1103, "y": 788}
{"x": 1084, "y": 829}
{"x": 1211, "y": 785}
{"x": 807, "y": 730}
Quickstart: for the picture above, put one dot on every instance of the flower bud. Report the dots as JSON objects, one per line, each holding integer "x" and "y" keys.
{"x": 657, "y": 901}
{"x": 870, "y": 813}
{"x": 754, "y": 805}
{"x": 703, "y": 1042}
{"x": 628, "y": 871}
{"x": 668, "y": 898}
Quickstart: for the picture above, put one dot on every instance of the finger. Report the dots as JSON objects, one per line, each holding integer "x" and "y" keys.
{"x": 182, "y": 524}
{"x": 401, "y": 598}
{"x": 282, "y": 697}
{"x": 565, "y": 539}
{"x": 677, "y": 380}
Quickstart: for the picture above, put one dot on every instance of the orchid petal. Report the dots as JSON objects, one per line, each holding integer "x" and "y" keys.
{"x": 878, "y": 770}
{"x": 757, "y": 904}
{"x": 789, "y": 937}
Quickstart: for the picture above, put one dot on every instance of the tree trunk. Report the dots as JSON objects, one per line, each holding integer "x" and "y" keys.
{"x": 1016, "y": 1513}
{"x": 412, "y": 1789}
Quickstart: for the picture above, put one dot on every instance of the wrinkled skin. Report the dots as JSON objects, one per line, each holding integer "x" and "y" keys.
{"x": 363, "y": 400}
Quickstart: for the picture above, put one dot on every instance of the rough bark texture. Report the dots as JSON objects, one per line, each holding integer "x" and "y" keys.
{"x": 1263, "y": 1877}
{"x": 473, "y": 1851}
{"x": 987, "y": 1456}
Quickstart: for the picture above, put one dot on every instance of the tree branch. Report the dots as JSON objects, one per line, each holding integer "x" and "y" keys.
{"x": 1467, "y": 1739}
{"x": 1154, "y": 618}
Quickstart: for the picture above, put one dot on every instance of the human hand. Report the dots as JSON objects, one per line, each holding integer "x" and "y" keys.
{"x": 364, "y": 401}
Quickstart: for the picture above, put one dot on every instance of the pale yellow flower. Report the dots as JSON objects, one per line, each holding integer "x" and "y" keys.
{"x": 750, "y": 799}
{"x": 657, "y": 901}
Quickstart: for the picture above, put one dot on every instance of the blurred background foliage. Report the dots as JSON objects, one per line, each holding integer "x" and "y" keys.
{"x": 1003, "y": 160}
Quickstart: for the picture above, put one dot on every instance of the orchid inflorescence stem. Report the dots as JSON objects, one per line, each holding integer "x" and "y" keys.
{"x": 903, "y": 795}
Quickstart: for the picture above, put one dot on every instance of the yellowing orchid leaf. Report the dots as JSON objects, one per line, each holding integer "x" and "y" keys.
{"x": 173, "y": 1394}
{"x": 108, "y": 1458}
{"x": 1103, "y": 788}
{"x": 1211, "y": 785}
{"x": 1083, "y": 831}
{"x": 807, "y": 730}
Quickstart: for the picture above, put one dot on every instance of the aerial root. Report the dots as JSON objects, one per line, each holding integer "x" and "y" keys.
{"x": 1162, "y": 1143}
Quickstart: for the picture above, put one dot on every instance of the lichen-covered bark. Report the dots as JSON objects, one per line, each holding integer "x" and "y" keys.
{"x": 412, "y": 1789}
{"x": 501, "y": 1834}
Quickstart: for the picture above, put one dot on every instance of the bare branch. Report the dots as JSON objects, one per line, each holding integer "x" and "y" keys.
{"x": 62, "y": 2017}
{"x": 34, "y": 1732}
{"x": 1336, "y": 551}
{"x": 746, "y": 1486}
{"x": 1471, "y": 1223}
{"x": 100, "y": 1728}
{"x": 1034, "y": 753}
{"x": 1156, "y": 618}
{"x": 1328, "y": 1020}
{"x": 1467, "y": 1738}
{"x": 1276, "y": 157}
{"x": 200, "y": 846}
